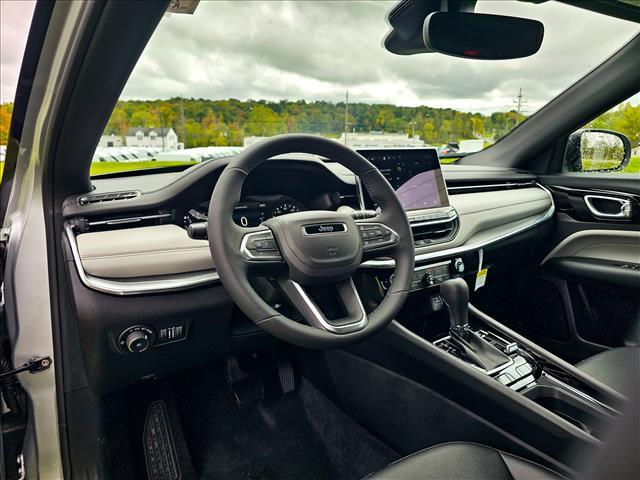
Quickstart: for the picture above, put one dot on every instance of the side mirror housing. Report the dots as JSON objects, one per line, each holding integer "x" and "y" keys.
{"x": 597, "y": 150}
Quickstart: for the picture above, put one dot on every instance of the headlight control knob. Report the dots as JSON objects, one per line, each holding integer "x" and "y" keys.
{"x": 137, "y": 342}
{"x": 136, "y": 339}
{"x": 458, "y": 265}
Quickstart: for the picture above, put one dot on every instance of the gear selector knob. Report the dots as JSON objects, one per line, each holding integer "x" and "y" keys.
{"x": 455, "y": 294}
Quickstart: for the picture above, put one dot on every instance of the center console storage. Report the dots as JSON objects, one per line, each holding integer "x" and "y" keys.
{"x": 437, "y": 312}
{"x": 517, "y": 367}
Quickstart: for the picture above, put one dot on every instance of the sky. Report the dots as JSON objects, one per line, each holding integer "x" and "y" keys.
{"x": 319, "y": 50}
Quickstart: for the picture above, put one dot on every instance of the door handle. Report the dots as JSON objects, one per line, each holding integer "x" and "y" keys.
{"x": 620, "y": 210}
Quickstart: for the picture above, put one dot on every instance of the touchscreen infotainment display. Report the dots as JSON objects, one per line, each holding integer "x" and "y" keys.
{"x": 415, "y": 175}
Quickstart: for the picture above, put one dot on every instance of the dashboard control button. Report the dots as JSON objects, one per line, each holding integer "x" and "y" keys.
{"x": 138, "y": 341}
{"x": 505, "y": 379}
{"x": 437, "y": 303}
{"x": 458, "y": 265}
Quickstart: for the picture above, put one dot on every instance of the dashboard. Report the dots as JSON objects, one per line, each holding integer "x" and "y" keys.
{"x": 132, "y": 265}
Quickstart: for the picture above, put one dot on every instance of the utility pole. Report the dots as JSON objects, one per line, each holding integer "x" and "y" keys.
{"x": 519, "y": 101}
{"x": 182, "y": 122}
{"x": 346, "y": 120}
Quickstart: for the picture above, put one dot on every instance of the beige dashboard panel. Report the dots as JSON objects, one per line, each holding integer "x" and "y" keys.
{"x": 142, "y": 252}
{"x": 492, "y": 214}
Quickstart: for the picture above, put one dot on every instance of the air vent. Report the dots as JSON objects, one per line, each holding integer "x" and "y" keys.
{"x": 429, "y": 233}
{"x": 108, "y": 197}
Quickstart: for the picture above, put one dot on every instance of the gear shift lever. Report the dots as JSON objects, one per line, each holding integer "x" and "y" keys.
{"x": 455, "y": 294}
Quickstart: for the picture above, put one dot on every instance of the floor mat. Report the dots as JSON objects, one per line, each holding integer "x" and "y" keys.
{"x": 302, "y": 435}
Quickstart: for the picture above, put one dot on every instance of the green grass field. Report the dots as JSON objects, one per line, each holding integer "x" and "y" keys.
{"x": 110, "y": 167}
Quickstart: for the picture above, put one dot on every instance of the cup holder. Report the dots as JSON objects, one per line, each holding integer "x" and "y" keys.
{"x": 579, "y": 410}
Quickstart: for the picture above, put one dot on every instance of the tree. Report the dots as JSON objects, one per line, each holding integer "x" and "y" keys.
{"x": 5, "y": 122}
{"x": 264, "y": 122}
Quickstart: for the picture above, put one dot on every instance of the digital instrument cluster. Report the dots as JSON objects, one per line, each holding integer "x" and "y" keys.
{"x": 251, "y": 211}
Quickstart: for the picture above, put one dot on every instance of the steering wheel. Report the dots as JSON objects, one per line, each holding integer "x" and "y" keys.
{"x": 308, "y": 249}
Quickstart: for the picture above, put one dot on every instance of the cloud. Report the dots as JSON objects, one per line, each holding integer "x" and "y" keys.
{"x": 319, "y": 50}
{"x": 15, "y": 18}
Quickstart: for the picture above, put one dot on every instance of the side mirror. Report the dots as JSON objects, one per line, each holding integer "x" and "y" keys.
{"x": 596, "y": 150}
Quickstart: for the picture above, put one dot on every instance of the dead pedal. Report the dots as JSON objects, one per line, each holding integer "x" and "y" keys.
{"x": 159, "y": 447}
{"x": 286, "y": 375}
{"x": 245, "y": 389}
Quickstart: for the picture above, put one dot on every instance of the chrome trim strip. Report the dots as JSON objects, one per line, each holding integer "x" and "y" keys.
{"x": 119, "y": 221}
{"x": 345, "y": 328}
{"x": 390, "y": 263}
{"x": 434, "y": 222}
{"x": 625, "y": 207}
{"x": 493, "y": 185}
{"x": 137, "y": 287}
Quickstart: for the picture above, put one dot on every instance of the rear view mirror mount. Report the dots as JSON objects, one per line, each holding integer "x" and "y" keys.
{"x": 482, "y": 36}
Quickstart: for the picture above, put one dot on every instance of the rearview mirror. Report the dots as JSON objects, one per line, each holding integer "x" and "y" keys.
{"x": 482, "y": 36}
{"x": 597, "y": 150}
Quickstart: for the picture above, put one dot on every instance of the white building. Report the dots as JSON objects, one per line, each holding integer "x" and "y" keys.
{"x": 372, "y": 139}
{"x": 251, "y": 139}
{"x": 198, "y": 154}
{"x": 110, "y": 141}
{"x": 376, "y": 139}
{"x": 164, "y": 138}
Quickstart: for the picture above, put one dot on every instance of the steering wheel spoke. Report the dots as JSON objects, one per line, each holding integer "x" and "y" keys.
{"x": 260, "y": 253}
{"x": 355, "y": 319}
{"x": 376, "y": 237}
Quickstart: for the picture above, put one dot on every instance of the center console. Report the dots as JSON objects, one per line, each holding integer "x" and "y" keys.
{"x": 517, "y": 367}
{"x": 437, "y": 312}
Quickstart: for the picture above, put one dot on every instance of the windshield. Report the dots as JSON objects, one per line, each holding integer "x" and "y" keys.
{"x": 211, "y": 83}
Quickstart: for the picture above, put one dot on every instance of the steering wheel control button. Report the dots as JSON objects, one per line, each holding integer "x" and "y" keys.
{"x": 136, "y": 339}
{"x": 376, "y": 235}
{"x": 260, "y": 246}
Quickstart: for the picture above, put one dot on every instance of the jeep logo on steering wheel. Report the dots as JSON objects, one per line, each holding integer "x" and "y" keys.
{"x": 325, "y": 228}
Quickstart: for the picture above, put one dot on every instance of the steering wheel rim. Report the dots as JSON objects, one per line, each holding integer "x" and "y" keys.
{"x": 236, "y": 264}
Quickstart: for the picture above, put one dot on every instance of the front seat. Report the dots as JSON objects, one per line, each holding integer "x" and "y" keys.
{"x": 614, "y": 367}
{"x": 463, "y": 461}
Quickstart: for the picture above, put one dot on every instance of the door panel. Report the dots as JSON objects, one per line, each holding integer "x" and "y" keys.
{"x": 594, "y": 256}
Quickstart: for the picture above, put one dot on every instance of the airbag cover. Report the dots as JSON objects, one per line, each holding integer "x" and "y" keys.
{"x": 318, "y": 246}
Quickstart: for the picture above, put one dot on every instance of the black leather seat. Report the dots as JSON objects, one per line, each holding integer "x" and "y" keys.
{"x": 615, "y": 368}
{"x": 463, "y": 461}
